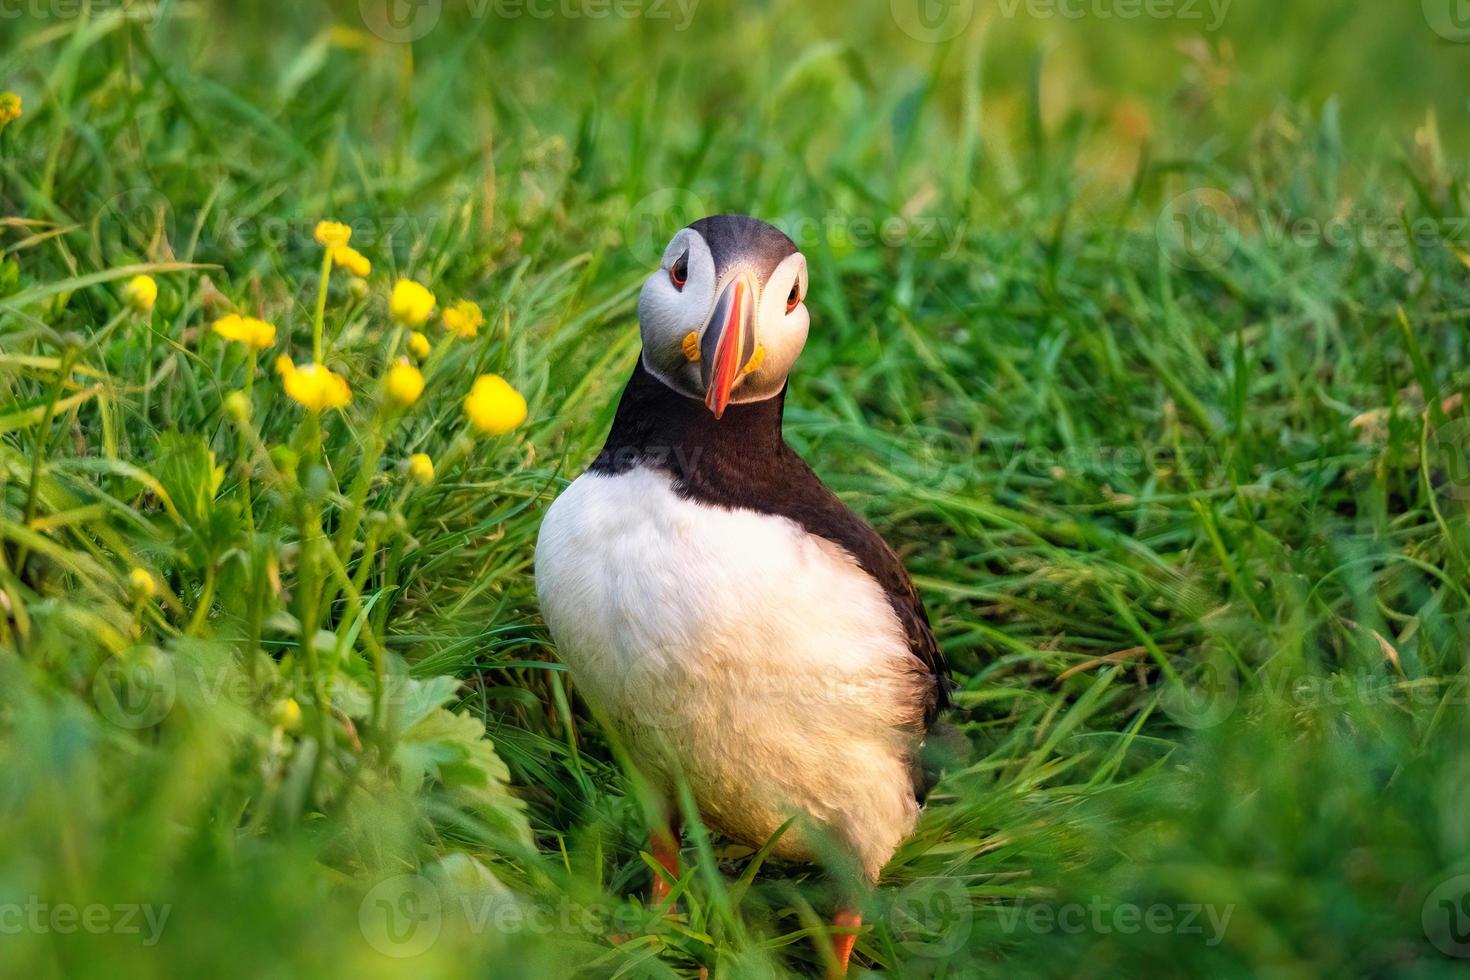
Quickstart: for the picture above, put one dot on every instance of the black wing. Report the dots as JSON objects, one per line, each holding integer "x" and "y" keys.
{"x": 808, "y": 502}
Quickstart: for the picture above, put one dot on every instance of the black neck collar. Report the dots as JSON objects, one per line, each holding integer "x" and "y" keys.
{"x": 658, "y": 427}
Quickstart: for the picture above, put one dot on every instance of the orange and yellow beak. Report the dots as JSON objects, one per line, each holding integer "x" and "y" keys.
{"x": 728, "y": 342}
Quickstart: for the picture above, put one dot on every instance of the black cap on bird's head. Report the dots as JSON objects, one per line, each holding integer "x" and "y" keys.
{"x": 724, "y": 317}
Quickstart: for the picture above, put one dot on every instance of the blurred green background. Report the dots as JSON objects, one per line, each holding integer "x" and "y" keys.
{"x": 1139, "y": 328}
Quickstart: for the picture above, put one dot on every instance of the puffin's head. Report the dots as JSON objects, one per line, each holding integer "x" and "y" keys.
{"x": 724, "y": 317}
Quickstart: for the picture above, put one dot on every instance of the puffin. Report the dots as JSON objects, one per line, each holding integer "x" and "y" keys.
{"x": 741, "y": 630}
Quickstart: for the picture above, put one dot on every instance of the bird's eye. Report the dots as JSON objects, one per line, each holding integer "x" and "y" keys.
{"x": 679, "y": 271}
{"x": 794, "y": 297}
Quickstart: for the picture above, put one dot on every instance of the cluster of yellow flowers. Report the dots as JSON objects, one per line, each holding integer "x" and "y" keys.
{"x": 334, "y": 236}
{"x": 412, "y": 305}
{"x": 9, "y": 108}
{"x": 492, "y": 407}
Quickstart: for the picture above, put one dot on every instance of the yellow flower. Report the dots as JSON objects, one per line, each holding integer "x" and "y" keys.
{"x": 352, "y": 260}
{"x": 284, "y": 365}
{"x": 288, "y": 714}
{"x": 142, "y": 584}
{"x": 463, "y": 319}
{"x": 231, "y": 326}
{"x": 237, "y": 406}
{"x": 420, "y": 468}
{"x": 140, "y": 294}
{"x": 247, "y": 330}
{"x": 313, "y": 386}
{"x": 494, "y": 407}
{"x": 332, "y": 234}
{"x": 9, "y": 108}
{"x": 411, "y": 303}
{"x": 405, "y": 383}
{"x": 418, "y": 345}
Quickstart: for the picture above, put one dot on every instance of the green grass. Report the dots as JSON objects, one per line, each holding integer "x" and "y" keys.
{"x": 1143, "y": 344}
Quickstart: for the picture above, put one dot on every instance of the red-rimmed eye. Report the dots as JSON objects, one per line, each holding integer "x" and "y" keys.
{"x": 794, "y": 297}
{"x": 679, "y": 271}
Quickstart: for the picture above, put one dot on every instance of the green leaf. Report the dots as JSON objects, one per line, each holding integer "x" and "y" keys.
{"x": 440, "y": 747}
{"x": 185, "y": 465}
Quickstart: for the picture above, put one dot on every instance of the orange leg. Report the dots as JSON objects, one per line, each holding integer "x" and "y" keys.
{"x": 663, "y": 843}
{"x": 848, "y": 920}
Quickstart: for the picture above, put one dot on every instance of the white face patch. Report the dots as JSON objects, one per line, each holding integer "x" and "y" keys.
{"x": 782, "y": 326}
{"x": 668, "y": 312}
